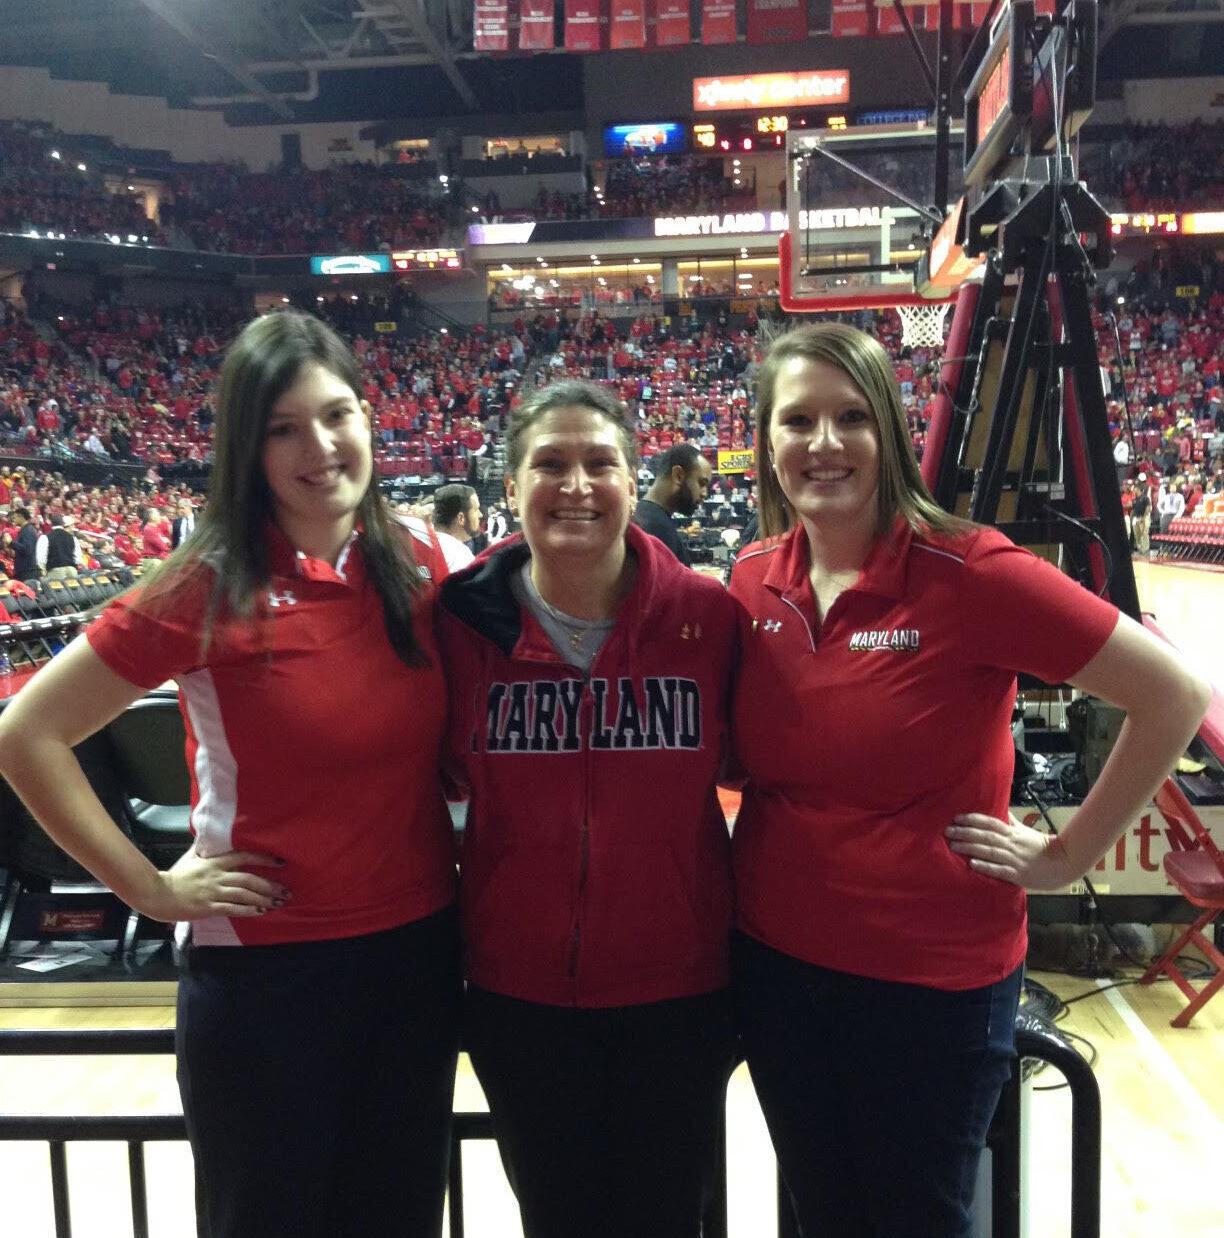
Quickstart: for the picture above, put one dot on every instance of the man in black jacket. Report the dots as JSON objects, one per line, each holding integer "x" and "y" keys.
{"x": 681, "y": 484}
{"x": 25, "y": 547}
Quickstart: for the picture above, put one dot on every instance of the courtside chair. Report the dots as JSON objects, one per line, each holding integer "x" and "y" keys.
{"x": 147, "y": 739}
{"x": 1198, "y": 874}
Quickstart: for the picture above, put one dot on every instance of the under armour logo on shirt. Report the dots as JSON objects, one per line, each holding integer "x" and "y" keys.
{"x": 281, "y": 599}
{"x": 770, "y": 625}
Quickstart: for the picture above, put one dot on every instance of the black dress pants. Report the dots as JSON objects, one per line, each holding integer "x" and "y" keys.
{"x": 317, "y": 1082}
{"x": 608, "y": 1121}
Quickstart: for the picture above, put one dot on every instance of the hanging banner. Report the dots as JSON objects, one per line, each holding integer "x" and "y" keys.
{"x": 627, "y": 25}
{"x": 718, "y": 21}
{"x": 536, "y": 25}
{"x": 582, "y": 25}
{"x": 850, "y": 19}
{"x": 672, "y": 27}
{"x": 777, "y": 21}
{"x": 888, "y": 20}
{"x": 960, "y": 16}
{"x": 491, "y": 26}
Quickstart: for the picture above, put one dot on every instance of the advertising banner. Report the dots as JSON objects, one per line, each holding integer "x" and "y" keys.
{"x": 736, "y": 461}
{"x": 351, "y": 264}
{"x": 810, "y": 88}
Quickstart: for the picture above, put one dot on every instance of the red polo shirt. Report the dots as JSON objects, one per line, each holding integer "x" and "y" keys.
{"x": 307, "y": 739}
{"x": 863, "y": 736}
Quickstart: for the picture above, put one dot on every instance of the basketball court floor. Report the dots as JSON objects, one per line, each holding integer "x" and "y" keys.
{"x": 1162, "y": 1089}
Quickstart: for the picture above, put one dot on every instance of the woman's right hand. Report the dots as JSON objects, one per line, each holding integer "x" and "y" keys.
{"x": 197, "y": 887}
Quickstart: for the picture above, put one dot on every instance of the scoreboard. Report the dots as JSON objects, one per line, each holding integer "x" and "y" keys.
{"x": 767, "y": 130}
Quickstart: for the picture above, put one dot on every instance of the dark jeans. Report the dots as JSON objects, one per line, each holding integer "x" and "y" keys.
{"x": 878, "y": 1095}
{"x": 608, "y": 1121}
{"x": 317, "y": 1081}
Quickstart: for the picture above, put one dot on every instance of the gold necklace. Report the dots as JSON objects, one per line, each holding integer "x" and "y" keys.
{"x": 574, "y": 635}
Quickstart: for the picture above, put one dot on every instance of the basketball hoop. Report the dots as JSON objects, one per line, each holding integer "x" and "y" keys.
{"x": 922, "y": 325}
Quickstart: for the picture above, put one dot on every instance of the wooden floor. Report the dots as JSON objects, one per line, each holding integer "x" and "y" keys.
{"x": 1162, "y": 1088}
{"x": 1188, "y": 604}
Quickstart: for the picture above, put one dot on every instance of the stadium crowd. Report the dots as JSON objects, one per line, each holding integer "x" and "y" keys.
{"x": 1160, "y": 167}
{"x": 348, "y": 208}
{"x": 46, "y": 190}
{"x": 133, "y": 385}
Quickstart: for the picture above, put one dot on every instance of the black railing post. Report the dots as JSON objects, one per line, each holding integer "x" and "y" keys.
{"x": 140, "y": 1198}
{"x": 59, "y": 1188}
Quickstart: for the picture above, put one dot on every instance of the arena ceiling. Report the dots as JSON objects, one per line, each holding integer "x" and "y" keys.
{"x": 264, "y": 60}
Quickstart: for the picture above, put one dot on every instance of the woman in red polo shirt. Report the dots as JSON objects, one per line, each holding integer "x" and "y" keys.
{"x": 319, "y": 996}
{"x": 879, "y": 881}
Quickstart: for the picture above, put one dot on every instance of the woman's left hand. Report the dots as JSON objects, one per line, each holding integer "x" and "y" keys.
{"x": 1011, "y": 851}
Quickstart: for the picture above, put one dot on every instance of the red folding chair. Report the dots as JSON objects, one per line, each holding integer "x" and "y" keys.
{"x": 1198, "y": 874}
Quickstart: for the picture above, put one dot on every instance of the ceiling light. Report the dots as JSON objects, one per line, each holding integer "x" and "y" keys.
{"x": 81, "y": 167}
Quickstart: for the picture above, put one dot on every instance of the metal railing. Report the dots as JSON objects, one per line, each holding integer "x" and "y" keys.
{"x": 1005, "y": 1139}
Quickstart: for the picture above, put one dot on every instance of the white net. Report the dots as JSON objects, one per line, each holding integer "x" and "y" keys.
{"x": 922, "y": 326}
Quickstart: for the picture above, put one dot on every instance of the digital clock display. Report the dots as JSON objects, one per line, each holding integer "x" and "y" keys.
{"x": 772, "y": 124}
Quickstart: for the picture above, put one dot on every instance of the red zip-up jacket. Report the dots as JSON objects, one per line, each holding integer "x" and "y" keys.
{"x": 595, "y": 867}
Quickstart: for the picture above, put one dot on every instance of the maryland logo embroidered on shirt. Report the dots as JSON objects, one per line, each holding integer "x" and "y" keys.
{"x": 900, "y": 640}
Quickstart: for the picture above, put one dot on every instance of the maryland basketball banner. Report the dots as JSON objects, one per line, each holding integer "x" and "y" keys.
{"x": 491, "y": 26}
{"x": 777, "y": 21}
{"x": 627, "y": 27}
{"x": 850, "y": 18}
{"x": 582, "y": 25}
{"x": 718, "y": 21}
{"x": 672, "y": 27}
{"x": 536, "y": 28}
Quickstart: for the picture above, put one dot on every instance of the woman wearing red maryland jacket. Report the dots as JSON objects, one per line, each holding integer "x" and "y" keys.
{"x": 589, "y": 680}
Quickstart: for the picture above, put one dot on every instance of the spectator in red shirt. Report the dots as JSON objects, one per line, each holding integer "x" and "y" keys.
{"x": 154, "y": 543}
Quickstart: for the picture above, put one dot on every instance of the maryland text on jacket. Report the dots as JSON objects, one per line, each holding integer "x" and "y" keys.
{"x": 545, "y": 715}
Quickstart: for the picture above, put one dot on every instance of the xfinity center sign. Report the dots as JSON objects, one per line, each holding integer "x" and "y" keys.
{"x": 812, "y": 88}
{"x": 742, "y": 223}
